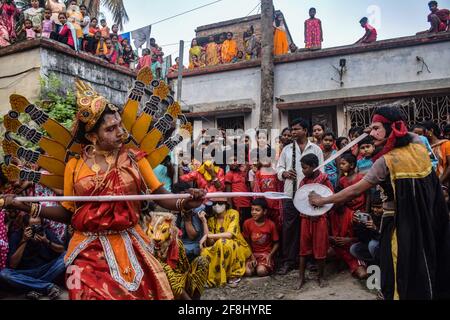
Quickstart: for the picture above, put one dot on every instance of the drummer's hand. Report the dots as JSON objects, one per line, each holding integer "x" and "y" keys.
{"x": 315, "y": 200}
{"x": 290, "y": 175}
{"x": 198, "y": 197}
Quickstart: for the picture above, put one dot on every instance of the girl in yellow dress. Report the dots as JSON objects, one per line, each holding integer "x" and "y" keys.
{"x": 224, "y": 246}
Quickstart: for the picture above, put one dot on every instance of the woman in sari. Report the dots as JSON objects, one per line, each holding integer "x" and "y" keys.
{"x": 415, "y": 233}
{"x": 224, "y": 246}
{"x": 109, "y": 257}
{"x": 35, "y": 14}
{"x": 4, "y": 36}
{"x": 252, "y": 45}
{"x": 212, "y": 56}
{"x": 195, "y": 50}
{"x": 229, "y": 49}
{"x": 8, "y": 14}
{"x": 281, "y": 43}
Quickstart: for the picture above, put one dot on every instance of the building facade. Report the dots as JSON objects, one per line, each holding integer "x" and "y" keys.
{"x": 338, "y": 87}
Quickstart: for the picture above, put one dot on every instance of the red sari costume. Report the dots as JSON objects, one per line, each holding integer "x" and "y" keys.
{"x": 110, "y": 250}
{"x": 341, "y": 222}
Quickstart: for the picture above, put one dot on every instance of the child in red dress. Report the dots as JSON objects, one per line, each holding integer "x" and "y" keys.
{"x": 266, "y": 180}
{"x": 236, "y": 181}
{"x": 314, "y": 230}
{"x": 263, "y": 238}
{"x": 342, "y": 237}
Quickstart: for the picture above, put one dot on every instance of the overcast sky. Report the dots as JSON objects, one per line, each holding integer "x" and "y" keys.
{"x": 393, "y": 18}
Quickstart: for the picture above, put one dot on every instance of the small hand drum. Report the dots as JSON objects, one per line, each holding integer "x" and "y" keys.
{"x": 301, "y": 200}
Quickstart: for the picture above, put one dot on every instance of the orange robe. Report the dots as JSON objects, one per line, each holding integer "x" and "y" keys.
{"x": 229, "y": 50}
{"x": 280, "y": 42}
{"x": 109, "y": 255}
{"x": 212, "y": 54}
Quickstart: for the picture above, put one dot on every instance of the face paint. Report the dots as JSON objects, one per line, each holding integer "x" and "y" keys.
{"x": 378, "y": 133}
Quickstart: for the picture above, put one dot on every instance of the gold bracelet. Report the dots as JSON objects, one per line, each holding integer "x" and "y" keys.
{"x": 35, "y": 211}
{"x": 178, "y": 205}
{"x": 183, "y": 209}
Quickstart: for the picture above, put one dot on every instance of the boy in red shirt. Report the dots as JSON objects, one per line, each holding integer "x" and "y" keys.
{"x": 236, "y": 181}
{"x": 371, "y": 33}
{"x": 313, "y": 230}
{"x": 263, "y": 238}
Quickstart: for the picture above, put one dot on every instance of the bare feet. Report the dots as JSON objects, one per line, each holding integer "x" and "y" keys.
{"x": 301, "y": 284}
{"x": 360, "y": 273}
{"x": 322, "y": 283}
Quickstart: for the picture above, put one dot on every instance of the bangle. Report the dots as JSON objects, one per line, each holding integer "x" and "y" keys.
{"x": 183, "y": 209}
{"x": 178, "y": 205}
{"x": 35, "y": 210}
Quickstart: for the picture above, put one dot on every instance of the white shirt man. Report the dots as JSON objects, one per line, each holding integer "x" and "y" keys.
{"x": 285, "y": 163}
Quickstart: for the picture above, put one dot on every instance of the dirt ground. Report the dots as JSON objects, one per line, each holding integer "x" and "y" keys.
{"x": 341, "y": 286}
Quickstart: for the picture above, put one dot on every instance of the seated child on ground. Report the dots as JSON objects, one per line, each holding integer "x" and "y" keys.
{"x": 262, "y": 235}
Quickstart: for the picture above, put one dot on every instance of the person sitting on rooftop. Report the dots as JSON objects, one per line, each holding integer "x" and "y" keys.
{"x": 439, "y": 19}
{"x": 371, "y": 33}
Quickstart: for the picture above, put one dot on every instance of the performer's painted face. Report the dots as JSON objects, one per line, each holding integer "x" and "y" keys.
{"x": 111, "y": 132}
{"x": 378, "y": 133}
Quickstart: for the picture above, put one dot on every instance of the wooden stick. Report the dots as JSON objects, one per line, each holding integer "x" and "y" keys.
{"x": 155, "y": 197}
{"x": 343, "y": 150}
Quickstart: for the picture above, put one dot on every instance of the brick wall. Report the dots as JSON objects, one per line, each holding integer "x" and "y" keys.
{"x": 237, "y": 29}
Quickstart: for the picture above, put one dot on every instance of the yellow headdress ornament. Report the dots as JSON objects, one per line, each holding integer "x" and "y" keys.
{"x": 90, "y": 105}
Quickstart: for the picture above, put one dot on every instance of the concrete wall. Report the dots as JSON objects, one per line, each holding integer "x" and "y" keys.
{"x": 22, "y": 66}
{"x": 369, "y": 73}
{"x": 112, "y": 85}
{"x": 19, "y": 74}
{"x": 223, "y": 91}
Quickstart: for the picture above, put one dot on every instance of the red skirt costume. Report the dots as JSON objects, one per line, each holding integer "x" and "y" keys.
{"x": 109, "y": 256}
{"x": 314, "y": 231}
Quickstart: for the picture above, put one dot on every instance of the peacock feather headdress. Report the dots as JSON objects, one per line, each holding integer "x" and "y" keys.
{"x": 147, "y": 129}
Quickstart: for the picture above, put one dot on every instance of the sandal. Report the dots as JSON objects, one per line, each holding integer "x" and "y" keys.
{"x": 54, "y": 293}
{"x": 33, "y": 295}
{"x": 233, "y": 283}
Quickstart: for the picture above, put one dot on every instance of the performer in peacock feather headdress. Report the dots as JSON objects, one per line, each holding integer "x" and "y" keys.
{"x": 107, "y": 153}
